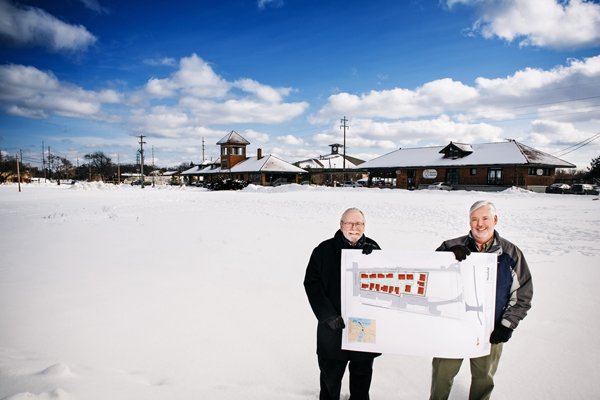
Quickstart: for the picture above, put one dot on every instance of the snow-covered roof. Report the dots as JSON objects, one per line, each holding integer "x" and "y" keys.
{"x": 501, "y": 153}
{"x": 266, "y": 164}
{"x": 329, "y": 161}
{"x": 194, "y": 170}
{"x": 234, "y": 138}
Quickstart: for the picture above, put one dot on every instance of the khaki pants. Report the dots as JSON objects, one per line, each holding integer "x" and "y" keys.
{"x": 482, "y": 375}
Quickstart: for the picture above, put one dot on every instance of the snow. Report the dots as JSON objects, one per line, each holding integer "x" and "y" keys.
{"x": 181, "y": 293}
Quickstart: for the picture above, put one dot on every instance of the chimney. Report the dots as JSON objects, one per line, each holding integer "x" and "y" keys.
{"x": 259, "y": 154}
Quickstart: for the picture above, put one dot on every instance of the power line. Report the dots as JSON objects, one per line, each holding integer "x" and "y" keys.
{"x": 576, "y": 146}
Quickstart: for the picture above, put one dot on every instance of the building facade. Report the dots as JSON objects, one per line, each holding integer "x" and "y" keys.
{"x": 484, "y": 166}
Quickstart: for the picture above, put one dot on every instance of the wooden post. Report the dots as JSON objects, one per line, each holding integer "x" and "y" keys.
{"x": 18, "y": 172}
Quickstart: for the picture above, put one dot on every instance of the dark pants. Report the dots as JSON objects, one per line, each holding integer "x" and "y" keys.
{"x": 332, "y": 372}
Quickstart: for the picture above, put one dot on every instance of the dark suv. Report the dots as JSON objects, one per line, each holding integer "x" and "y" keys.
{"x": 583, "y": 188}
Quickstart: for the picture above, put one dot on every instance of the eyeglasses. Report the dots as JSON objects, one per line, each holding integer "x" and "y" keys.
{"x": 353, "y": 224}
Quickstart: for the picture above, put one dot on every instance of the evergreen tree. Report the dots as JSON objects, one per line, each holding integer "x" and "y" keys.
{"x": 594, "y": 168}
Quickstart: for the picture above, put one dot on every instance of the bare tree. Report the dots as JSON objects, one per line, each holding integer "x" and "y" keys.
{"x": 101, "y": 164}
{"x": 61, "y": 167}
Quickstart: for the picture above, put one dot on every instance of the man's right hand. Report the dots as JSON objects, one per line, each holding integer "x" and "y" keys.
{"x": 460, "y": 252}
{"x": 335, "y": 322}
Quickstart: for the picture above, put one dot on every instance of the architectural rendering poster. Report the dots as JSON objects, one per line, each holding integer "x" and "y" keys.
{"x": 418, "y": 303}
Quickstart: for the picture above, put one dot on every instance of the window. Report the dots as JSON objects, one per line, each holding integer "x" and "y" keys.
{"x": 224, "y": 164}
{"x": 254, "y": 177}
{"x": 224, "y": 150}
{"x": 534, "y": 171}
{"x": 453, "y": 153}
{"x": 495, "y": 176}
{"x": 473, "y": 171}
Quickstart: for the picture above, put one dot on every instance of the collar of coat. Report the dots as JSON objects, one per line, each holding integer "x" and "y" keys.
{"x": 496, "y": 246}
{"x": 342, "y": 243}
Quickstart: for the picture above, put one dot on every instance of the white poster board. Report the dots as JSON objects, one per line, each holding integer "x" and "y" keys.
{"x": 418, "y": 303}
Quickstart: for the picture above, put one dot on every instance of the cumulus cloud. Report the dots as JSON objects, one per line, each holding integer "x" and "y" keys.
{"x": 559, "y": 90}
{"x": 165, "y": 122}
{"x": 30, "y": 26}
{"x": 432, "y": 98}
{"x": 390, "y": 135}
{"x": 254, "y": 136}
{"x": 263, "y": 92}
{"x": 195, "y": 77}
{"x": 28, "y": 92}
{"x": 546, "y": 133}
{"x": 555, "y": 24}
{"x": 242, "y": 111}
{"x": 290, "y": 140}
{"x": 444, "y": 110}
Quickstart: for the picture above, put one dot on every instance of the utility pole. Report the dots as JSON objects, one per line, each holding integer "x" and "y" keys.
{"x": 344, "y": 120}
{"x": 153, "y": 170}
{"x": 118, "y": 168}
{"x": 44, "y": 161}
{"x": 18, "y": 172}
{"x": 202, "y": 149}
{"x": 49, "y": 162}
{"x": 142, "y": 143}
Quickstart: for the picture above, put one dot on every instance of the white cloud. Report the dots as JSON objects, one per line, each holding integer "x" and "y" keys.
{"x": 29, "y": 92}
{"x": 263, "y": 92}
{"x": 290, "y": 140}
{"x": 432, "y": 98}
{"x": 555, "y": 24}
{"x": 253, "y": 136}
{"x": 163, "y": 61}
{"x": 367, "y": 133}
{"x": 25, "y": 112}
{"x": 195, "y": 77}
{"x": 554, "y": 133}
{"x": 525, "y": 92}
{"x": 242, "y": 111}
{"x": 31, "y": 26}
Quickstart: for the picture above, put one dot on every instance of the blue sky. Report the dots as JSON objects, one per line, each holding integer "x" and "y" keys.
{"x": 89, "y": 75}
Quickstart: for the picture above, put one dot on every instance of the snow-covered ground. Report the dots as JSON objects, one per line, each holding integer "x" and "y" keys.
{"x": 182, "y": 293}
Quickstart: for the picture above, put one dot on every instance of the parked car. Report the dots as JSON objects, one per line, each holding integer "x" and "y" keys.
{"x": 440, "y": 186}
{"x": 583, "y": 188}
{"x": 558, "y": 188}
{"x": 351, "y": 184}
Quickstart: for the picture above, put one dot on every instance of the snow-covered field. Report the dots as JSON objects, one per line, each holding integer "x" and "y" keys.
{"x": 182, "y": 293}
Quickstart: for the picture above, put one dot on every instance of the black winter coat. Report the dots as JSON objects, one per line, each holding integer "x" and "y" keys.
{"x": 322, "y": 283}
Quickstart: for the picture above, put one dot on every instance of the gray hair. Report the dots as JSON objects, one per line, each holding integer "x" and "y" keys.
{"x": 353, "y": 209}
{"x": 482, "y": 203}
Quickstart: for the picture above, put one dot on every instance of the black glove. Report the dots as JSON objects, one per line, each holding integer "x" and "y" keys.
{"x": 335, "y": 322}
{"x": 460, "y": 252}
{"x": 367, "y": 248}
{"x": 501, "y": 334}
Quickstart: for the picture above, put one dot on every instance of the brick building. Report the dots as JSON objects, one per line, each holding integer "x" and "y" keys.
{"x": 233, "y": 164}
{"x": 484, "y": 166}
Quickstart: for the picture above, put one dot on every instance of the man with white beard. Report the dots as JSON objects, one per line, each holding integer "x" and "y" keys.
{"x": 323, "y": 288}
{"x": 514, "y": 291}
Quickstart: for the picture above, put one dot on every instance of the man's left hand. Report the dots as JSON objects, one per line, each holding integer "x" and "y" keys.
{"x": 367, "y": 248}
{"x": 501, "y": 334}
